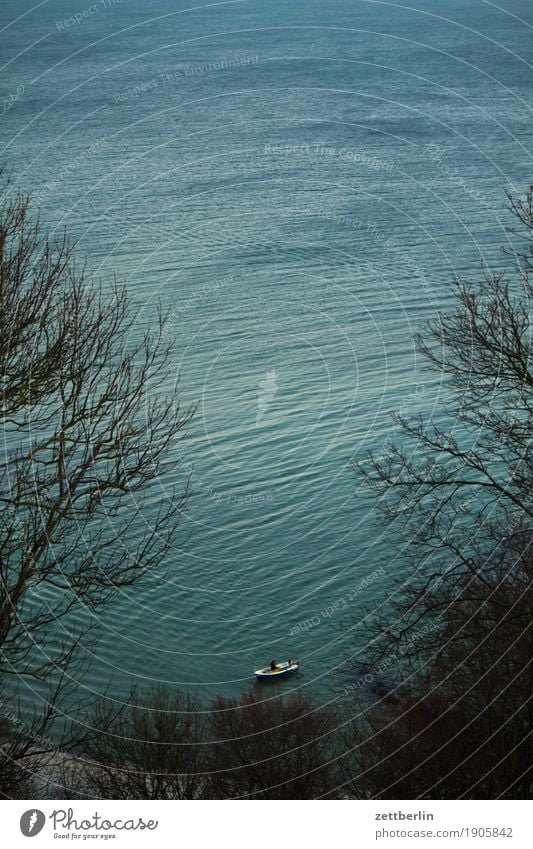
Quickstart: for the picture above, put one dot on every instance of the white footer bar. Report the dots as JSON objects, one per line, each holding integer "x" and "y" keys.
{"x": 264, "y": 824}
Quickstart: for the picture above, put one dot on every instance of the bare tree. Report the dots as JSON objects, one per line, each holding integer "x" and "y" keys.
{"x": 451, "y": 717}
{"x": 164, "y": 745}
{"x": 15, "y": 781}
{"x": 40, "y": 744}
{"x": 272, "y": 748}
{"x": 461, "y": 487}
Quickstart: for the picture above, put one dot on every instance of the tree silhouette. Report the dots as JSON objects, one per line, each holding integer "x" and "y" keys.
{"x": 452, "y": 718}
{"x": 89, "y": 419}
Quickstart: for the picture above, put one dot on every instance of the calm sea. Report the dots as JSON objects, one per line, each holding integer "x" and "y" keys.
{"x": 298, "y": 182}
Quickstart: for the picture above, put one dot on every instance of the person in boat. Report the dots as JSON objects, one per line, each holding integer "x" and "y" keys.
{"x": 274, "y": 665}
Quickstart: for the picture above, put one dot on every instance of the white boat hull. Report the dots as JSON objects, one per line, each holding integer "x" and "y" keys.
{"x": 282, "y": 670}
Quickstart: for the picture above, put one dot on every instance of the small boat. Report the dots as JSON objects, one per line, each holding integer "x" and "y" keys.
{"x": 277, "y": 669}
